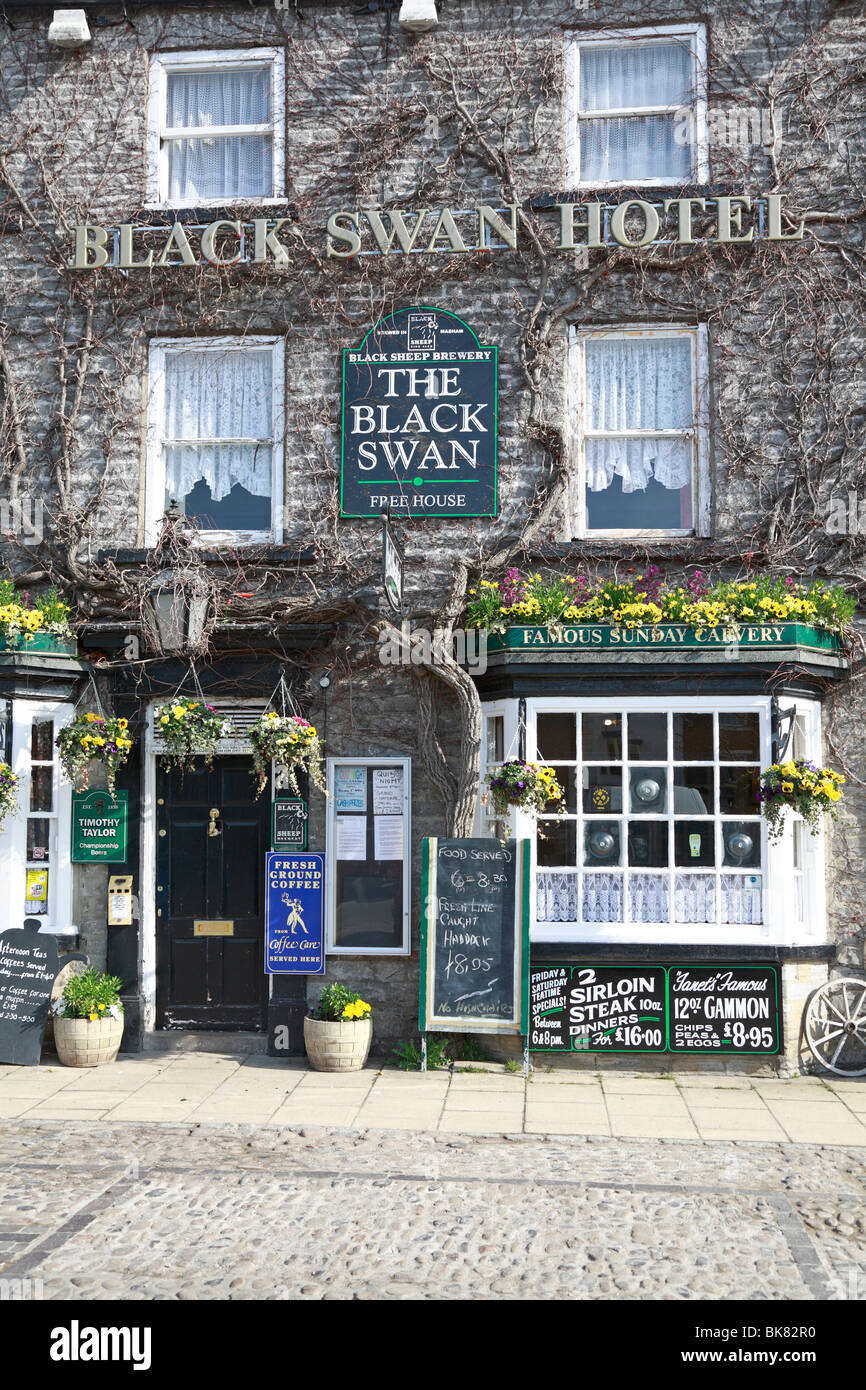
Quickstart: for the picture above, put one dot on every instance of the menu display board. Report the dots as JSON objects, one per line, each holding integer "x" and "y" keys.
{"x": 369, "y": 843}
{"x": 723, "y": 1009}
{"x": 475, "y": 936}
{"x": 28, "y": 969}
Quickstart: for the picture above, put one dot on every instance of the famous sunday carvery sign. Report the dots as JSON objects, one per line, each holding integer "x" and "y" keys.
{"x": 419, "y": 419}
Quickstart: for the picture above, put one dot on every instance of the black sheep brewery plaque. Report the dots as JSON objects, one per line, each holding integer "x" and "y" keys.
{"x": 419, "y": 419}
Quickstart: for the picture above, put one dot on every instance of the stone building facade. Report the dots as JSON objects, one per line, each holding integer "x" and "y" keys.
{"x": 610, "y": 203}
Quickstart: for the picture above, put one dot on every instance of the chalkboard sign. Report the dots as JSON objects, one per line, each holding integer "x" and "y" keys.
{"x": 726, "y": 1009}
{"x": 289, "y": 824}
{"x": 723, "y": 1009}
{"x": 475, "y": 936}
{"x": 28, "y": 968}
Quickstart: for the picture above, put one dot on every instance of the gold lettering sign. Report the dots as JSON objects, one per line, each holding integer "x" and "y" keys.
{"x": 736, "y": 219}
{"x": 203, "y": 928}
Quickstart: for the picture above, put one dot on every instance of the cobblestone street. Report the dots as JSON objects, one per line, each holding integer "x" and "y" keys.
{"x": 185, "y": 1211}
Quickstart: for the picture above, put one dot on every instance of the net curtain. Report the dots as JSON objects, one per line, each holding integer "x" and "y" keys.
{"x": 213, "y": 396}
{"x": 225, "y": 166}
{"x": 619, "y": 148}
{"x": 634, "y": 383}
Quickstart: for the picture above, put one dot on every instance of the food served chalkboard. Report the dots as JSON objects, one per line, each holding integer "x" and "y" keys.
{"x": 28, "y": 969}
{"x": 726, "y": 1009}
{"x": 475, "y": 936}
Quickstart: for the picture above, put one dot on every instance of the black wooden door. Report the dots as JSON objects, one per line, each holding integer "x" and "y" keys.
{"x": 210, "y": 982}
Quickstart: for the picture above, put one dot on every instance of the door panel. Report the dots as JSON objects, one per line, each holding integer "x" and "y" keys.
{"x": 211, "y": 982}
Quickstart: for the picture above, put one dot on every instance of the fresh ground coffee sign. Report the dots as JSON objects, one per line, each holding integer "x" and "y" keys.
{"x": 419, "y": 419}
{"x": 719, "y": 1009}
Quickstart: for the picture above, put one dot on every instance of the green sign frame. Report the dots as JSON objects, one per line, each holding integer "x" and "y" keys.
{"x": 100, "y": 827}
{"x": 653, "y": 637}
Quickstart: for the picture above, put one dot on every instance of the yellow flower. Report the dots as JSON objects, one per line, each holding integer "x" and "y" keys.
{"x": 123, "y": 723}
{"x": 787, "y": 787}
{"x": 91, "y": 718}
{"x": 93, "y": 1017}
{"x": 164, "y": 719}
{"x": 101, "y": 1007}
{"x": 179, "y": 711}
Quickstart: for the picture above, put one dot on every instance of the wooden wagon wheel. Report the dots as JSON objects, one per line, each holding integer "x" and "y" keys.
{"x": 836, "y": 1026}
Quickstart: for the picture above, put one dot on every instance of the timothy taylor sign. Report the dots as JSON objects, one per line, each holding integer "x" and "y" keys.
{"x": 419, "y": 419}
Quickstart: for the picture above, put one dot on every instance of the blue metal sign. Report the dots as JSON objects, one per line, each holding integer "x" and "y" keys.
{"x": 294, "y": 914}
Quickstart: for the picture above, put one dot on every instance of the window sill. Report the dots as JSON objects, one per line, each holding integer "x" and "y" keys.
{"x": 215, "y": 204}
{"x": 614, "y": 951}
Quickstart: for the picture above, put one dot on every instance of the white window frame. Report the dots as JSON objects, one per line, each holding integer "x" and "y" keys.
{"x": 13, "y": 836}
{"x": 692, "y": 34}
{"x": 154, "y": 493}
{"x": 700, "y": 434}
{"x": 780, "y": 926}
{"x": 159, "y": 133}
{"x": 331, "y": 949}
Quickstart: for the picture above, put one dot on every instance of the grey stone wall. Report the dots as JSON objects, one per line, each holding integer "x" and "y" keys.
{"x": 72, "y": 138}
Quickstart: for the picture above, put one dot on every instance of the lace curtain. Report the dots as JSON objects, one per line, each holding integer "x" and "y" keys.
{"x": 621, "y": 148}
{"x": 649, "y": 898}
{"x": 638, "y": 383}
{"x": 220, "y": 166}
{"x": 215, "y": 396}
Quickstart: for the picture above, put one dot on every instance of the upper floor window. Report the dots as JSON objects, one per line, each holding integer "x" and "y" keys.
{"x": 215, "y": 413}
{"x": 215, "y": 127}
{"x": 639, "y": 398}
{"x": 637, "y": 108}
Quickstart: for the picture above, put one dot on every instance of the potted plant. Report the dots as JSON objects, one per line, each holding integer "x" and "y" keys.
{"x": 292, "y": 743}
{"x": 8, "y": 792}
{"x": 338, "y": 1033}
{"x": 88, "y": 1020}
{"x": 91, "y": 738}
{"x": 528, "y": 786}
{"x": 188, "y": 728}
{"x": 800, "y": 786}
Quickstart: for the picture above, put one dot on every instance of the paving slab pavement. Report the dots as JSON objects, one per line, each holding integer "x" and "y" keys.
{"x": 236, "y": 1088}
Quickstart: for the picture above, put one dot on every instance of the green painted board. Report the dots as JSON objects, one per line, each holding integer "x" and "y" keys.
{"x": 663, "y": 636}
{"x": 100, "y": 827}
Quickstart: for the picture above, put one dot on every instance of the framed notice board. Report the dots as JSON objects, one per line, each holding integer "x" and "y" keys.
{"x": 369, "y": 855}
{"x": 475, "y": 936}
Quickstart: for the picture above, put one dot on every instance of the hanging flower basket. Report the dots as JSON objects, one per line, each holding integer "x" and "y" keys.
{"x": 528, "y": 786}
{"x": 188, "y": 729}
{"x": 799, "y": 786}
{"x": 91, "y": 738}
{"x": 292, "y": 743}
{"x": 8, "y": 792}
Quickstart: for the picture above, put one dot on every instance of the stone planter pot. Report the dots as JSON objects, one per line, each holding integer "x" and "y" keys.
{"x": 337, "y": 1046}
{"x": 81, "y": 1043}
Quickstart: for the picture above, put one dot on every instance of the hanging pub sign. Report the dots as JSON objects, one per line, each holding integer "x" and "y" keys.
{"x": 289, "y": 817}
{"x": 475, "y": 936}
{"x": 392, "y": 567}
{"x": 419, "y": 419}
{"x": 100, "y": 827}
{"x": 294, "y": 916}
{"x": 726, "y": 1010}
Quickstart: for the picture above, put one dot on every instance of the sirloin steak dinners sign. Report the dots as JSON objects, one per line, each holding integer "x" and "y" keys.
{"x": 419, "y": 419}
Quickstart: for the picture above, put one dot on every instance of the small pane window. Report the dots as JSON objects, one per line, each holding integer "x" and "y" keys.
{"x": 214, "y": 135}
{"x": 638, "y": 427}
{"x": 739, "y": 739}
{"x": 602, "y": 736}
{"x": 637, "y": 109}
{"x": 556, "y": 737}
{"x": 42, "y": 741}
{"x": 693, "y": 737}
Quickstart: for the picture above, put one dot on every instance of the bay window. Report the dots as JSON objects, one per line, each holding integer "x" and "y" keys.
{"x": 659, "y": 836}
{"x": 215, "y": 436}
{"x": 637, "y": 108}
{"x": 638, "y": 399}
{"x": 216, "y": 127}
